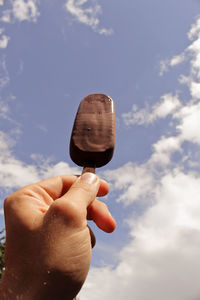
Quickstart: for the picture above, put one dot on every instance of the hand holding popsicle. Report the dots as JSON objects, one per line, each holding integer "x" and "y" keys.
{"x": 48, "y": 242}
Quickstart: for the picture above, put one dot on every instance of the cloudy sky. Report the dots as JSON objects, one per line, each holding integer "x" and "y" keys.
{"x": 145, "y": 54}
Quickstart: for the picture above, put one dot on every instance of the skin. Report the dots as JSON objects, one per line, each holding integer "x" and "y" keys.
{"x": 48, "y": 241}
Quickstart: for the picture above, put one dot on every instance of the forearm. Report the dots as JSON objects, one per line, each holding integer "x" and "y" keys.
{"x": 7, "y": 293}
{"x": 13, "y": 288}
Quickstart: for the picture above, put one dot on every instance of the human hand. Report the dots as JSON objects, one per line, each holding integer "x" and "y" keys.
{"x": 48, "y": 242}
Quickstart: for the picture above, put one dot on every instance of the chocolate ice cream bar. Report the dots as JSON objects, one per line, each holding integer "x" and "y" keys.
{"x": 93, "y": 134}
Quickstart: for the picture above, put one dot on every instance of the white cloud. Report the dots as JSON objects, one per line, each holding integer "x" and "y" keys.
{"x": 194, "y": 49}
{"x": 137, "y": 182}
{"x": 4, "y": 41}
{"x": 6, "y": 17}
{"x": 163, "y": 150}
{"x": 167, "y": 144}
{"x": 165, "y": 237}
{"x": 195, "y": 90}
{"x": 194, "y": 31}
{"x": 4, "y": 110}
{"x": 15, "y": 173}
{"x": 165, "y": 244}
{"x": 132, "y": 180}
{"x": 189, "y": 123}
{"x": 174, "y": 61}
{"x": 4, "y": 76}
{"x": 17, "y": 10}
{"x": 191, "y": 53}
{"x": 162, "y": 109}
{"x": 21, "y": 10}
{"x": 167, "y": 106}
{"x": 87, "y": 12}
{"x": 162, "y": 259}
{"x": 25, "y": 10}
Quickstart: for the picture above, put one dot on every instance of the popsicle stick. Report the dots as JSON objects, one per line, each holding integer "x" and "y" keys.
{"x": 88, "y": 169}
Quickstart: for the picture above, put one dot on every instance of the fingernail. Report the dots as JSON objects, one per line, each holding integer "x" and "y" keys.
{"x": 88, "y": 178}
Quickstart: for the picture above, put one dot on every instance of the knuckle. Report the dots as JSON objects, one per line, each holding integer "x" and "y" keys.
{"x": 13, "y": 200}
{"x": 8, "y": 202}
{"x": 104, "y": 204}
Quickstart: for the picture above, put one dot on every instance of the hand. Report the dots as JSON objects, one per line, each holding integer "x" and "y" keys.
{"x": 48, "y": 242}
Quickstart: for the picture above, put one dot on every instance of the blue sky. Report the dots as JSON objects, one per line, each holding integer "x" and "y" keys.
{"x": 146, "y": 56}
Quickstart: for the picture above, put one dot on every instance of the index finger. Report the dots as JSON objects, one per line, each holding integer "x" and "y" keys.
{"x": 58, "y": 185}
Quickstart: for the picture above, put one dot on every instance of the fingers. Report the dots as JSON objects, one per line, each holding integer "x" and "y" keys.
{"x": 99, "y": 213}
{"x": 59, "y": 185}
{"x": 80, "y": 195}
{"x": 71, "y": 208}
{"x": 92, "y": 237}
{"x": 72, "y": 194}
{"x": 103, "y": 189}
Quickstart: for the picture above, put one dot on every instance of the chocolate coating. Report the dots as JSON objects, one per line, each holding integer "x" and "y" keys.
{"x": 93, "y": 134}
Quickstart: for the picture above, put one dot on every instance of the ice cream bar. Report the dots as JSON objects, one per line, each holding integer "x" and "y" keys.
{"x": 93, "y": 134}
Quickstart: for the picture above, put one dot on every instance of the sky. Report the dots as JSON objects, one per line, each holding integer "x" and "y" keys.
{"x": 146, "y": 56}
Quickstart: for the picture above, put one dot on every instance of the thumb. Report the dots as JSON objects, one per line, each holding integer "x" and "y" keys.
{"x": 71, "y": 208}
{"x": 84, "y": 190}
